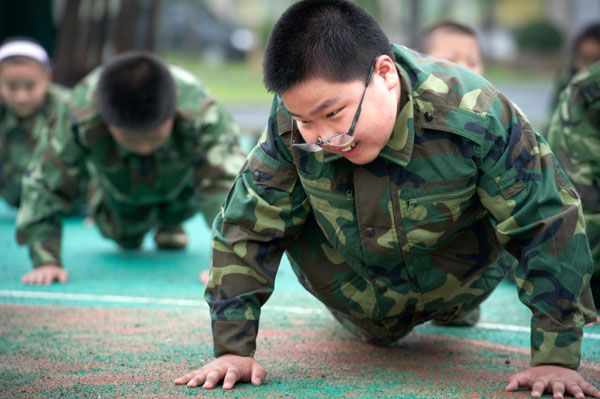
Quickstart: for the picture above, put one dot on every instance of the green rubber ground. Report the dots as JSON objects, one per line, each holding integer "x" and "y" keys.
{"x": 129, "y": 322}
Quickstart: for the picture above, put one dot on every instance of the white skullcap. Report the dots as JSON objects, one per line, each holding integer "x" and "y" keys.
{"x": 24, "y": 48}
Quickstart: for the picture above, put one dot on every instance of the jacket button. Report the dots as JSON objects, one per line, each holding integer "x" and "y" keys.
{"x": 256, "y": 175}
{"x": 370, "y": 232}
{"x": 428, "y": 116}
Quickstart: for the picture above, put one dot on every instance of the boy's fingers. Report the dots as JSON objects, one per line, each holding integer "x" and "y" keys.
{"x": 47, "y": 278}
{"x": 185, "y": 378}
{"x": 515, "y": 382}
{"x": 258, "y": 374}
{"x": 558, "y": 389}
{"x": 231, "y": 378}
{"x": 589, "y": 389}
{"x": 575, "y": 390}
{"x": 213, "y": 377}
{"x": 538, "y": 388}
{"x": 197, "y": 380}
{"x": 63, "y": 276}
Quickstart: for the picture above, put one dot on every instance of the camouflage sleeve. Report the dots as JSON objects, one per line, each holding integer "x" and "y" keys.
{"x": 49, "y": 188}
{"x": 219, "y": 159}
{"x": 263, "y": 212}
{"x": 537, "y": 215}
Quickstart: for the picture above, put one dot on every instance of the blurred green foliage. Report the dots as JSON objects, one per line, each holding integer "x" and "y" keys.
{"x": 232, "y": 82}
{"x": 540, "y": 36}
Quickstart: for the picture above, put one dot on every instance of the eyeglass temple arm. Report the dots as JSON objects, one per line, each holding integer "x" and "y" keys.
{"x": 351, "y": 131}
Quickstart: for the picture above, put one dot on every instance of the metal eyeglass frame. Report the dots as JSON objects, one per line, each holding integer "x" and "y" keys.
{"x": 338, "y": 140}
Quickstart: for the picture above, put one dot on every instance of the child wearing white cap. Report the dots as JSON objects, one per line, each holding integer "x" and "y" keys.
{"x": 28, "y": 100}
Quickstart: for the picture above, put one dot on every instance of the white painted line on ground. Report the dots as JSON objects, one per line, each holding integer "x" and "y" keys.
{"x": 196, "y": 303}
{"x": 64, "y": 296}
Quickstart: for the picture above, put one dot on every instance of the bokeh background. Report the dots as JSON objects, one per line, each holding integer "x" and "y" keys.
{"x": 525, "y": 43}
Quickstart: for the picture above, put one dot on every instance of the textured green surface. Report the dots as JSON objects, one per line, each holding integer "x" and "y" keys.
{"x": 100, "y": 349}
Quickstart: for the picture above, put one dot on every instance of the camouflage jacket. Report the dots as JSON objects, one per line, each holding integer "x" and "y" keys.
{"x": 18, "y": 139}
{"x": 462, "y": 174}
{"x": 202, "y": 151}
{"x": 574, "y": 135}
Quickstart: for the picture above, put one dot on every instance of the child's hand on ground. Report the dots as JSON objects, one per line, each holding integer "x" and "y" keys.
{"x": 203, "y": 277}
{"x": 45, "y": 275}
{"x": 229, "y": 368}
{"x": 553, "y": 379}
{"x": 592, "y": 323}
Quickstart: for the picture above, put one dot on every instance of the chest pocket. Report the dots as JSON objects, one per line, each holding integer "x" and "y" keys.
{"x": 430, "y": 219}
{"x": 334, "y": 211}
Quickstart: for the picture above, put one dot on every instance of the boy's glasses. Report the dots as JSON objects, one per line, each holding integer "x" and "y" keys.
{"x": 338, "y": 141}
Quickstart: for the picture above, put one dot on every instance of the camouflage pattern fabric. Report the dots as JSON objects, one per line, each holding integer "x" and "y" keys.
{"x": 413, "y": 235}
{"x": 18, "y": 140}
{"x": 574, "y": 136}
{"x": 191, "y": 172}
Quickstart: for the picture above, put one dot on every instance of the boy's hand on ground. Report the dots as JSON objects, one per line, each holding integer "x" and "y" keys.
{"x": 229, "y": 368}
{"x": 45, "y": 275}
{"x": 553, "y": 379}
{"x": 203, "y": 276}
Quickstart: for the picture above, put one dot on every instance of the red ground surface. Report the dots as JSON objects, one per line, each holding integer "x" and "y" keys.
{"x": 54, "y": 352}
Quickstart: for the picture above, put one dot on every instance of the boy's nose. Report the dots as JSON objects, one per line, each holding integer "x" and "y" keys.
{"x": 21, "y": 95}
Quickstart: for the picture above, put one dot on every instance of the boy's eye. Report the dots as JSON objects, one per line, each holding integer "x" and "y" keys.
{"x": 333, "y": 113}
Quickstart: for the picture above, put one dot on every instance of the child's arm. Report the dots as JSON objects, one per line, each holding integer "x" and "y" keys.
{"x": 552, "y": 379}
{"x": 228, "y": 368}
{"x": 218, "y": 158}
{"x": 49, "y": 188}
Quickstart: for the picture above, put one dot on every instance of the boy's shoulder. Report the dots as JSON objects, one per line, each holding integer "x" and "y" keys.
{"x": 447, "y": 96}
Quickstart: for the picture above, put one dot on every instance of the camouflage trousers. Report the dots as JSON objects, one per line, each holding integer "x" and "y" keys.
{"x": 127, "y": 224}
{"x": 317, "y": 264}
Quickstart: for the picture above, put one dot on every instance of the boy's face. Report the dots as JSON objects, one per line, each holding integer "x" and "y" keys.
{"x": 23, "y": 86}
{"x": 459, "y": 48}
{"x": 323, "y": 108}
{"x": 142, "y": 142}
{"x": 588, "y": 53}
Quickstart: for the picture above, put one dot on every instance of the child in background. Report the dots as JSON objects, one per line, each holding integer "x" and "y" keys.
{"x": 574, "y": 136}
{"x": 159, "y": 148}
{"x": 453, "y": 42}
{"x": 585, "y": 52}
{"x": 28, "y": 100}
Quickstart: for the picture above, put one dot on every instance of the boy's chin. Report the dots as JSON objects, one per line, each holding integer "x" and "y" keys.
{"x": 23, "y": 112}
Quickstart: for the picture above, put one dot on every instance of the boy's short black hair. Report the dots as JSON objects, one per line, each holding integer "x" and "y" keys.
{"x": 332, "y": 39}
{"x": 135, "y": 91}
{"x": 448, "y": 26}
{"x": 589, "y": 32}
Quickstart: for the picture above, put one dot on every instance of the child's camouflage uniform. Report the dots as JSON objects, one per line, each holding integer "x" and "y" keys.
{"x": 18, "y": 139}
{"x": 191, "y": 172}
{"x": 413, "y": 235}
{"x": 574, "y": 136}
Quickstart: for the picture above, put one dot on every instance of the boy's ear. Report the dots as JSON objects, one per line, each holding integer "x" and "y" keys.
{"x": 386, "y": 69}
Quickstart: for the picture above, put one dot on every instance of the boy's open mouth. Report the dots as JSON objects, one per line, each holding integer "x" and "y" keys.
{"x": 350, "y": 147}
